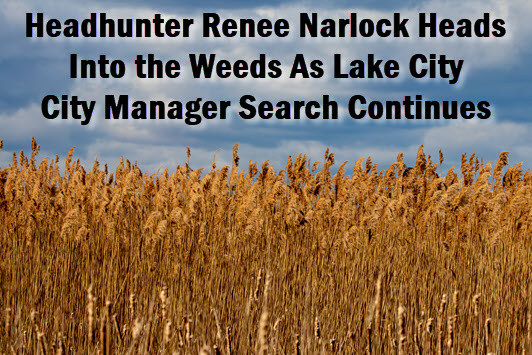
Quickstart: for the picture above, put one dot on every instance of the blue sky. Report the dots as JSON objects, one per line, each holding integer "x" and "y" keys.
{"x": 496, "y": 70}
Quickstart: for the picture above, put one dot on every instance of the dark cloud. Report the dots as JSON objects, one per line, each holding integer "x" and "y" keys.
{"x": 31, "y": 69}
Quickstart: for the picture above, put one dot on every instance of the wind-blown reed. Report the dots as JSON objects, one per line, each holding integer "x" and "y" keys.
{"x": 299, "y": 260}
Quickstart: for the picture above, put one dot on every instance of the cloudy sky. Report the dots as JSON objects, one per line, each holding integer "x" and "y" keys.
{"x": 495, "y": 70}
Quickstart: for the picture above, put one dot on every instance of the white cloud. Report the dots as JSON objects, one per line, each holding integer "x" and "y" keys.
{"x": 149, "y": 142}
{"x": 487, "y": 139}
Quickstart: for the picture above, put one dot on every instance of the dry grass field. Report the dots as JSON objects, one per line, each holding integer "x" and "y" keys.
{"x": 257, "y": 260}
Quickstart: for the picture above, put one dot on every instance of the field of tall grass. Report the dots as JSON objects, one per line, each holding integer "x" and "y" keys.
{"x": 243, "y": 260}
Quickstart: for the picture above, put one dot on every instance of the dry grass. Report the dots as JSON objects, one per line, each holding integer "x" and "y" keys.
{"x": 234, "y": 261}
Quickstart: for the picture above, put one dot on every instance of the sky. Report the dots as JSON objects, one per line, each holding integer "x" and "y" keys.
{"x": 496, "y": 70}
